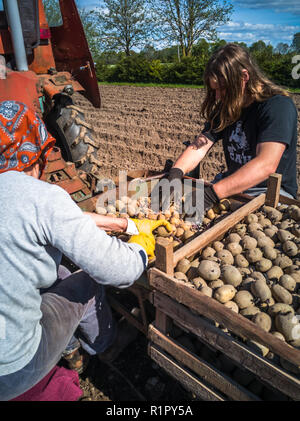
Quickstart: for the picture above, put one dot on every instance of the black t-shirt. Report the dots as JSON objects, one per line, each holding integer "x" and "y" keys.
{"x": 273, "y": 120}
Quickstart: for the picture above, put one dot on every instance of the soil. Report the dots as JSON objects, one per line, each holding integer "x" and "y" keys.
{"x": 140, "y": 128}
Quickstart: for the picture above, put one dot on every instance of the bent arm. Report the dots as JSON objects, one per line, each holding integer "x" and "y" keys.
{"x": 194, "y": 154}
{"x": 266, "y": 162}
{"x": 108, "y": 223}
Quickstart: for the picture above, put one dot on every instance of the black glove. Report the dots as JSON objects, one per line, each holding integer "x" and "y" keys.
{"x": 175, "y": 173}
{"x": 210, "y": 198}
{"x": 166, "y": 200}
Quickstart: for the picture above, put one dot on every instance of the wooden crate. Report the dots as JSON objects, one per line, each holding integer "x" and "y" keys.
{"x": 178, "y": 303}
{"x": 141, "y": 288}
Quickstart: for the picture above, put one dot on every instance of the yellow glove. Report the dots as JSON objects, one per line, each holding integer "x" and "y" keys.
{"x": 147, "y": 226}
{"x": 146, "y": 238}
{"x": 147, "y": 241}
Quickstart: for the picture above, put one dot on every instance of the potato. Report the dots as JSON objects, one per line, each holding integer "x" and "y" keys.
{"x": 225, "y": 293}
{"x": 271, "y": 233}
{"x": 246, "y": 284}
{"x": 249, "y": 243}
{"x": 188, "y": 234}
{"x": 234, "y": 248}
{"x": 295, "y": 275}
{"x": 295, "y": 214}
{"x": 181, "y": 276}
{"x": 274, "y": 273}
{"x": 101, "y": 211}
{"x": 258, "y": 275}
{"x": 230, "y": 275}
{"x": 233, "y": 238}
{"x": 207, "y": 291}
{"x": 225, "y": 256}
{"x": 163, "y": 232}
{"x": 244, "y": 299}
{"x": 290, "y": 248}
{"x": 232, "y": 306}
{"x": 278, "y": 335}
{"x": 261, "y": 290}
{"x": 216, "y": 284}
{"x": 281, "y": 295}
{"x": 209, "y": 271}
{"x": 208, "y": 252}
{"x": 192, "y": 272}
{"x": 111, "y": 209}
{"x": 250, "y": 311}
{"x": 282, "y": 261}
{"x": 263, "y": 320}
{"x": 218, "y": 246}
{"x": 120, "y": 206}
{"x": 240, "y": 229}
{"x": 280, "y": 308}
{"x": 284, "y": 236}
{"x": 295, "y": 230}
{"x": 288, "y": 282}
{"x": 254, "y": 255}
{"x": 183, "y": 266}
{"x": 241, "y": 261}
{"x": 199, "y": 283}
{"x": 254, "y": 226}
{"x": 265, "y": 241}
{"x": 269, "y": 252}
{"x": 244, "y": 272}
{"x": 288, "y": 325}
{"x": 258, "y": 234}
{"x": 263, "y": 265}
{"x": 287, "y": 224}
{"x": 251, "y": 218}
{"x": 264, "y": 222}
{"x": 273, "y": 214}
{"x": 179, "y": 232}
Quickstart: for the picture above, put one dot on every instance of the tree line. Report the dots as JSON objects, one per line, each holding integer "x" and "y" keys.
{"x": 167, "y": 41}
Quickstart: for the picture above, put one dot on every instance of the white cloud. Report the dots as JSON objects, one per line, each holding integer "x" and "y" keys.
{"x": 252, "y": 32}
{"x": 279, "y": 6}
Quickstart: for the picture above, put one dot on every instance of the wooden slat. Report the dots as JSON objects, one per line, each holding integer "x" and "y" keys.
{"x": 212, "y": 309}
{"x": 273, "y": 190}
{"x": 234, "y": 349}
{"x": 164, "y": 256}
{"x": 205, "y": 370}
{"x": 219, "y": 229}
{"x": 119, "y": 308}
{"x": 187, "y": 379}
{"x": 287, "y": 201}
{"x": 73, "y": 186}
{"x": 163, "y": 322}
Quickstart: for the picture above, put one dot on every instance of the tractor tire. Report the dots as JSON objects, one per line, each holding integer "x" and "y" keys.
{"x": 78, "y": 139}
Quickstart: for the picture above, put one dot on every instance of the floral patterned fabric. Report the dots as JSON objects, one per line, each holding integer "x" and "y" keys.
{"x": 23, "y": 137}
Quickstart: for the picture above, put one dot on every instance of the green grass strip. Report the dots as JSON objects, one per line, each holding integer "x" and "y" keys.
{"x": 151, "y": 85}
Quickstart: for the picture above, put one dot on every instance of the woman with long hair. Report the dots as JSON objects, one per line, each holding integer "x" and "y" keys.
{"x": 255, "y": 119}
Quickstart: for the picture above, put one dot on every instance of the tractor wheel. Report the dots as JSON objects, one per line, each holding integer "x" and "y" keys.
{"x": 74, "y": 136}
{"x": 79, "y": 139}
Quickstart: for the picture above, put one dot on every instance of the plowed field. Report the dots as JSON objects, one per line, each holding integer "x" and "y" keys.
{"x": 142, "y": 127}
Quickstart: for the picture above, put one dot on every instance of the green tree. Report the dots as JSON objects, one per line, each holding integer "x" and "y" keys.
{"x": 282, "y": 48}
{"x": 125, "y": 24}
{"x": 296, "y": 42}
{"x": 184, "y": 22}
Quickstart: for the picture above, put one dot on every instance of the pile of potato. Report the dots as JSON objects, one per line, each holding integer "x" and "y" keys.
{"x": 255, "y": 271}
{"x": 182, "y": 229}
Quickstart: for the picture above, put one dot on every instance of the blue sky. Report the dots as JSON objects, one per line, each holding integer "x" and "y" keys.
{"x": 273, "y": 21}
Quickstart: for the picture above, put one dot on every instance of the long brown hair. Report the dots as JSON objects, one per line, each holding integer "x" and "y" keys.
{"x": 225, "y": 67}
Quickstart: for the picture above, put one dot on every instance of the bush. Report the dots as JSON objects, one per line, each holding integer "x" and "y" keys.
{"x": 137, "y": 69}
{"x": 189, "y": 71}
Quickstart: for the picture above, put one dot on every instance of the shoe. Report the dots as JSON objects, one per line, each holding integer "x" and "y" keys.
{"x": 126, "y": 334}
{"x": 77, "y": 361}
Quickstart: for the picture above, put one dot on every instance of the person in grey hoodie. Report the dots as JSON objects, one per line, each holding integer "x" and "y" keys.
{"x": 45, "y": 311}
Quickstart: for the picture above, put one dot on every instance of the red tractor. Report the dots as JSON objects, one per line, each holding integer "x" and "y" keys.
{"x": 43, "y": 67}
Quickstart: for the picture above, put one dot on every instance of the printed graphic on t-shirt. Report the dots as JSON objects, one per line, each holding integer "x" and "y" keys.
{"x": 238, "y": 145}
